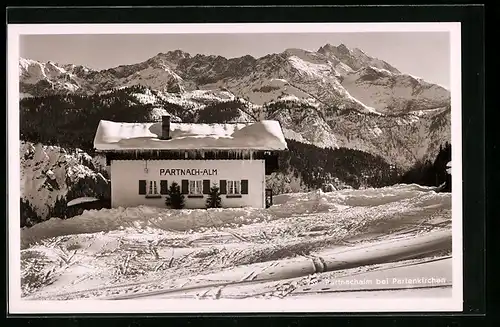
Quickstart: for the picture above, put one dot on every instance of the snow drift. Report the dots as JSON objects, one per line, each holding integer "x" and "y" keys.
{"x": 343, "y": 205}
{"x": 122, "y": 251}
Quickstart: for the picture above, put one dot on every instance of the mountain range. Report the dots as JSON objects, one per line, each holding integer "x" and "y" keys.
{"x": 333, "y": 97}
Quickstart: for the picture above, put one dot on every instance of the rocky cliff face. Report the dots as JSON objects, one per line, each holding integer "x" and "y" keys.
{"x": 50, "y": 174}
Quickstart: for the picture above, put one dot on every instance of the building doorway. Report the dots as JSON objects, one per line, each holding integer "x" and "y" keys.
{"x": 269, "y": 197}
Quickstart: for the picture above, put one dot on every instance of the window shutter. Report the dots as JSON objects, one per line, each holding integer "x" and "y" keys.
{"x": 163, "y": 187}
{"x": 244, "y": 186}
{"x": 184, "y": 186}
{"x": 142, "y": 186}
{"x": 222, "y": 186}
{"x": 206, "y": 186}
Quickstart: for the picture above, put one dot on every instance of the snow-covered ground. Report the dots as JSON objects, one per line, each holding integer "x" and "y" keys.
{"x": 302, "y": 241}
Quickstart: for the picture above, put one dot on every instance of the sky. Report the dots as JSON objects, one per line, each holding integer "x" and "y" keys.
{"x": 422, "y": 54}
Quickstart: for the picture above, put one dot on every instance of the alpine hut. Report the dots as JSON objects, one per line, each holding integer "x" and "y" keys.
{"x": 143, "y": 159}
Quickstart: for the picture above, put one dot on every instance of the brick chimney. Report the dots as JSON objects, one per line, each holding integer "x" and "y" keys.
{"x": 165, "y": 128}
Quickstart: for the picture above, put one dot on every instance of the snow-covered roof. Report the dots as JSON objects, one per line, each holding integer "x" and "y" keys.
{"x": 263, "y": 135}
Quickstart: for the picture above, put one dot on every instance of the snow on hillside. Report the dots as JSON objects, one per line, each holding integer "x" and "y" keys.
{"x": 146, "y": 96}
{"x": 57, "y": 77}
{"x": 190, "y": 100}
{"x": 160, "y": 79}
{"x": 293, "y": 135}
{"x": 310, "y": 101}
{"x": 128, "y": 251}
{"x": 263, "y": 91}
{"x": 356, "y": 96}
{"x": 392, "y": 93}
{"x": 316, "y": 61}
{"x": 207, "y": 96}
{"x": 311, "y": 74}
{"x": 354, "y": 58}
{"x": 32, "y": 71}
{"x": 48, "y": 172}
{"x": 403, "y": 139}
{"x": 311, "y": 69}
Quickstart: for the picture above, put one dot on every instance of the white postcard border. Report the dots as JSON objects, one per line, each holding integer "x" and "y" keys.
{"x": 18, "y": 306}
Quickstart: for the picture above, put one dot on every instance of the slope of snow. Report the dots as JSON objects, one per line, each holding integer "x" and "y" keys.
{"x": 31, "y": 71}
{"x": 404, "y": 139}
{"x": 304, "y": 59}
{"x": 55, "y": 76}
{"x": 123, "y": 251}
{"x": 207, "y": 96}
{"x": 262, "y": 90}
{"x": 311, "y": 69}
{"x": 293, "y": 135}
{"x": 263, "y": 135}
{"x": 190, "y": 100}
{"x": 324, "y": 74}
{"x": 354, "y": 58}
{"x": 390, "y": 92}
{"x": 296, "y": 276}
{"x": 160, "y": 79}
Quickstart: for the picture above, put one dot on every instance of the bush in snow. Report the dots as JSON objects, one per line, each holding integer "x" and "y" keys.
{"x": 175, "y": 199}
{"x": 214, "y": 199}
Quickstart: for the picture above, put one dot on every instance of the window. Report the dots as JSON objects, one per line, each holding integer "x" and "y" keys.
{"x": 196, "y": 187}
{"x": 152, "y": 188}
{"x": 233, "y": 187}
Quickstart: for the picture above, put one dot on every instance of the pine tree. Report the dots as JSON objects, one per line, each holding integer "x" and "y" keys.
{"x": 175, "y": 199}
{"x": 214, "y": 199}
{"x": 58, "y": 210}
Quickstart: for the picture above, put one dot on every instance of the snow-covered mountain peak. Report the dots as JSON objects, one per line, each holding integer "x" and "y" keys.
{"x": 326, "y": 48}
{"x": 24, "y": 62}
{"x": 358, "y": 52}
{"x": 171, "y": 58}
{"x": 178, "y": 54}
{"x": 355, "y": 59}
{"x": 342, "y": 48}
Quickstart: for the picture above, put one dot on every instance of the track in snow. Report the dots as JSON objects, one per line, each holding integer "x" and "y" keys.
{"x": 381, "y": 252}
